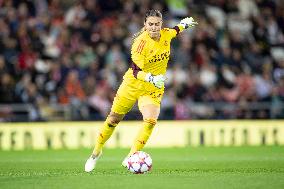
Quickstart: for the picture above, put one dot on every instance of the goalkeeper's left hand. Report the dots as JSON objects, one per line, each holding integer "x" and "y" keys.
{"x": 188, "y": 22}
{"x": 157, "y": 81}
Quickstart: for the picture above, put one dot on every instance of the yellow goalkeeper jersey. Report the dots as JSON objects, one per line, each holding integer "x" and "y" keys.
{"x": 149, "y": 55}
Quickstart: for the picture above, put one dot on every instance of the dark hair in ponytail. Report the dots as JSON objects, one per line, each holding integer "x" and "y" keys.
{"x": 152, "y": 12}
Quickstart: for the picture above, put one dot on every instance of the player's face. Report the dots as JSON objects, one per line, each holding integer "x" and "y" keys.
{"x": 153, "y": 26}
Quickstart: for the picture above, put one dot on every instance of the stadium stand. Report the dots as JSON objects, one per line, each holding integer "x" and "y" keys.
{"x": 63, "y": 60}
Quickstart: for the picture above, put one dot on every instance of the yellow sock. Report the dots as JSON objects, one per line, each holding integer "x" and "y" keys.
{"x": 105, "y": 132}
{"x": 143, "y": 135}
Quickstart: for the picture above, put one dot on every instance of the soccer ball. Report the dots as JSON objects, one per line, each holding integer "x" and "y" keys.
{"x": 139, "y": 163}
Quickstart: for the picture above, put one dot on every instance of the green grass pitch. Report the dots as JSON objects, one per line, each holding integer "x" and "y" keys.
{"x": 202, "y": 167}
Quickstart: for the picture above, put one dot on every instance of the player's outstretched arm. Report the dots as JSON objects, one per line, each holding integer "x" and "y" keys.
{"x": 185, "y": 23}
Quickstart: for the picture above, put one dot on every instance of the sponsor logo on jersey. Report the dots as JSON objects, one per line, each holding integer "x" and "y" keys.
{"x": 160, "y": 57}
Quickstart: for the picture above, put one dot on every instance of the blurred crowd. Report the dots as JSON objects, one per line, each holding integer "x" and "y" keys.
{"x": 75, "y": 53}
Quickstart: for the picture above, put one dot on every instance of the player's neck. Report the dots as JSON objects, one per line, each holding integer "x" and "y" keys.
{"x": 156, "y": 38}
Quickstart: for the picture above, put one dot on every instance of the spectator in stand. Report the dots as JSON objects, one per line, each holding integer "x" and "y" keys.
{"x": 99, "y": 102}
{"x": 75, "y": 95}
{"x": 31, "y": 96}
{"x": 7, "y": 85}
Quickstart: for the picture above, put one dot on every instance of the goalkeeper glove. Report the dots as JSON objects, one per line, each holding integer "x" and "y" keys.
{"x": 188, "y": 22}
{"x": 157, "y": 81}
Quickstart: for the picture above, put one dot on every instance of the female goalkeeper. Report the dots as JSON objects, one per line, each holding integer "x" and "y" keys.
{"x": 144, "y": 82}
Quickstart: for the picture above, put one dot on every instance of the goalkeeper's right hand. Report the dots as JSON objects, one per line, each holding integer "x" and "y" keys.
{"x": 157, "y": 81}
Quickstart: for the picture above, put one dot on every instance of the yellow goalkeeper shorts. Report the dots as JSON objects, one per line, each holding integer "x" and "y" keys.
{"x": 132, "y": 90}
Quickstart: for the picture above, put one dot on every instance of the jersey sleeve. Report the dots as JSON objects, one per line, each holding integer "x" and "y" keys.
{"x": 138, "y": 56}
{"x": 173, "y": 32}
{"x": 138, "y": 52}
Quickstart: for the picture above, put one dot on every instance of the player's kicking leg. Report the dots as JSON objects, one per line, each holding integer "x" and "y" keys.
{"x": 141, "y": 138}
{"x": 148, "y": 111}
